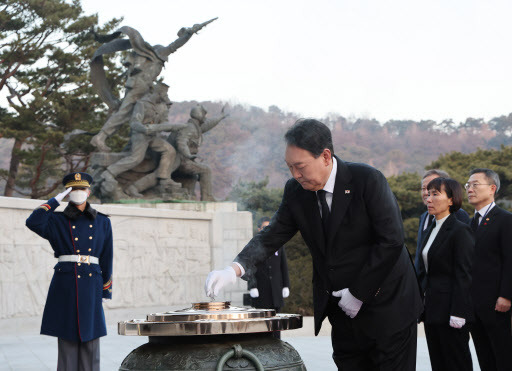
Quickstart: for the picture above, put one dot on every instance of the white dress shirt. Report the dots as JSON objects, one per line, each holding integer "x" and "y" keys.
{"x": 431, "y": 238}
{"x": 329, "y": 186}
{"x": 484, "y": 211}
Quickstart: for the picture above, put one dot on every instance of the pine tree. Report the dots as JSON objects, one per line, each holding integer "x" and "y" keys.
{"x": 45, "y": 49}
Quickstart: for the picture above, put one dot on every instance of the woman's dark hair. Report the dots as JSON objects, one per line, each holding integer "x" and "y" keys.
{"x": 452, "y": 188}
{"x": 311, "y": 135}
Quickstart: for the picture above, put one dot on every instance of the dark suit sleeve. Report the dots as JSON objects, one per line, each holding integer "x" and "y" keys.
{"x": 284, "y": 269}
{"x": 419, "y": 240}
{"x": 282, "y": 227}
{"x": 463, "y": 216}
{"x": 506, "y": 256}
{"x": 463, "y": 255}
{"x": 106, "y": 262}
{"x": 386, "y": 220}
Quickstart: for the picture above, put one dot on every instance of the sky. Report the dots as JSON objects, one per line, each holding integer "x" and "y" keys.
{"x": 382, "y": 59}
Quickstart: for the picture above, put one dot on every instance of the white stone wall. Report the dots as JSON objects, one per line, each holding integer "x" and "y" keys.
{"x": 161, "y": 255}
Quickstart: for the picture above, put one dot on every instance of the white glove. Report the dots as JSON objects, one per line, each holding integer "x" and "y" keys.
{"x": 457, "y": 322}
{"x": 286, "y": 292}
{"x": 348, "y": 303}
{"x": 104, "y": 300}
{"x": 61, "y": 196}
{"x": 254, "y": 293}
{"x": 217, "y": 280}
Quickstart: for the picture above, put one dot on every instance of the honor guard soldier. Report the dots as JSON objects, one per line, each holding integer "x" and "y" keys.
{"x": 81, "y": 239}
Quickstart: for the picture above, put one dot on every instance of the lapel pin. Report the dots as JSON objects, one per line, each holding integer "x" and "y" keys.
{"x": 487, "y": 219}
{"x": 347, "y": 191}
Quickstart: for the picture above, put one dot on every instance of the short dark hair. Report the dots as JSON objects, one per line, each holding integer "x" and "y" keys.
{"x": 492, "y": 176}
{"x": 311, "y": 135}
{"x": 263, "y": 220}
{"x": 438, "y": 172}
{"x": 452, "y": 188}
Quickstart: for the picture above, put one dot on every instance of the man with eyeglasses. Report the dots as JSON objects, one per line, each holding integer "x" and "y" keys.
{"x": 425, "y": 218}
{"x": 492, "y": 272}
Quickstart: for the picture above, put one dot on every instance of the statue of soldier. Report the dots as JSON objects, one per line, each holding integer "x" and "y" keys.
{"x": 149, "y": 118}
{"x": 144, "y": 64}
{"x": 187, "y": 142}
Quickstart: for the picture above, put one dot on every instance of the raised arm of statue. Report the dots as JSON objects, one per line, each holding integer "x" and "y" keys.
{"x": 184, "y": 34}
{"x": 165, "y": 126}
{"x": 211, "y": 123}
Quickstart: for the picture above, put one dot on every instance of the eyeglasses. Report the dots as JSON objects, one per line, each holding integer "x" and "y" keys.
{"x": 473, "y": 185}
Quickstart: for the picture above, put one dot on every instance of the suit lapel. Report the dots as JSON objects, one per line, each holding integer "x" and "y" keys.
{"x": 341, "y": 198}
{"x": 486, "y": 222}
{"x": 314, "y": 219}
{"x": 445, "y": 229}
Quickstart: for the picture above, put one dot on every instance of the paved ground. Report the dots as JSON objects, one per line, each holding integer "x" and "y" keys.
{"x": 23, "y": 349}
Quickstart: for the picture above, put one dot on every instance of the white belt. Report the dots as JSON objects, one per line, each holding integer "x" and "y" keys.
{"x": 79, "y": 259}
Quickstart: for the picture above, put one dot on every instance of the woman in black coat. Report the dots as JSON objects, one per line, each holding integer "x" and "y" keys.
{"x": 445, "y": 277}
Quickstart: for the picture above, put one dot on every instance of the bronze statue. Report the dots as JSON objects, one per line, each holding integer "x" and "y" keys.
{"x": 149, "y": 118}
{"x": 187, "y": 142}
{"x": 144, "y": 65}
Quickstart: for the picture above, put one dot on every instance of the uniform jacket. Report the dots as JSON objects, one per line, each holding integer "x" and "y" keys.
{"x": 364, "y": 251}
{"x": 270, "y": 278}
{"x": 460, "y": 214}
{"x": 447, "y": 283}
{"x": 492, "y": 269}
{"x": 73, "y": 309}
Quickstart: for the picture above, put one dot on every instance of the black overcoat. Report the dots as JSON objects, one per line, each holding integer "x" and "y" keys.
{"x": 270, "y": 278}
{"x": 447, "y": 283}
{"x": 364, "y": 251}
{"x": 492, "y": 269}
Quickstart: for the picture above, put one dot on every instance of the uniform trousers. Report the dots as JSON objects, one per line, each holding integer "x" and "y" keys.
{"x": 79, "y": 356}
{"x": 448, "y": 347}
{"x": 354, "y": 350}
{"x": 493, "y": 343}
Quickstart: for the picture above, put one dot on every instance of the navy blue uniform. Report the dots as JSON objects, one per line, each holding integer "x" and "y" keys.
{"x": 73, "y": 309}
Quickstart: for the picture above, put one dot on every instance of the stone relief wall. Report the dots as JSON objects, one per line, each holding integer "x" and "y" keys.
{"x": 161, "y": 256}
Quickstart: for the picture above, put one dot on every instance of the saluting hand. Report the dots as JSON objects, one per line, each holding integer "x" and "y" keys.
{"x": 502, "y": 305}
{"x": 61, "y": 195}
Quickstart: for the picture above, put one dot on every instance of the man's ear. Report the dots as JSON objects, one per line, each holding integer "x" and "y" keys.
{"x": 88, "y": 192}
{"x": 327, "y": 155}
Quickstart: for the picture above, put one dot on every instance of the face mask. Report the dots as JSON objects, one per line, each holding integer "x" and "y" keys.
{"x": 78, "y": 197}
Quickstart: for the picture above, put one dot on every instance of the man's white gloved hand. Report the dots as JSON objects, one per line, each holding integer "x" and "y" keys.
{"x": 104, "y": 300}
{"x": 457, "y": 322}
{"x": 286, "y": 292}
{"x": 217, "y": 280}
{"x": 61, "y": 196}
{"x": 254, "y": 293}
{"x": 348, "y": 303}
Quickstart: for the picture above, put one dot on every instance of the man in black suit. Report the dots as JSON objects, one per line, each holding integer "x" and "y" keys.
{"x": 492, "y": 272}
{"x": 363, "y": 278}
{"x": 271, "y": 282}
{"x": 425, "y": 219}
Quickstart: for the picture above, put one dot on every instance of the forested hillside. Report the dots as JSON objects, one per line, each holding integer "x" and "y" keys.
{"x": 249, "y": 145}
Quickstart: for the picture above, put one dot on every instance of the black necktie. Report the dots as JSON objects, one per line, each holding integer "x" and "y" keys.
{"x": 474, "y": 222}
{"x": 326, "y": 213}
